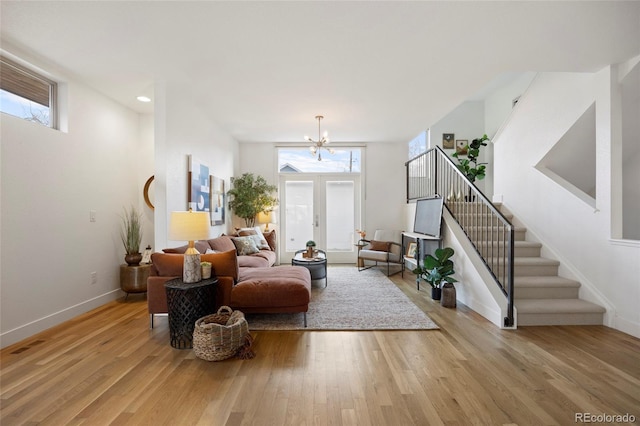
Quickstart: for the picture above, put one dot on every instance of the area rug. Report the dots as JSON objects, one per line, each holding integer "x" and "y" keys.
{"x": 352, "y": 300}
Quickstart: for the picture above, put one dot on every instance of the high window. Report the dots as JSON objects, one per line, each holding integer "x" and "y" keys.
{"x": 27, "y": 94}
{"x": 299, "y": 160}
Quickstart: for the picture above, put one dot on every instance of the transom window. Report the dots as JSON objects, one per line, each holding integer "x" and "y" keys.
{"x": 27, "y": 94}
{"x": 300, "y": 160}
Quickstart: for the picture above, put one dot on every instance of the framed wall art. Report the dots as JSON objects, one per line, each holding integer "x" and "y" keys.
{"x": 217, "y": 200}
{"x": 199, "y": 188}
{"x": 462, "y": 146}
{"x": 447, "y": 140}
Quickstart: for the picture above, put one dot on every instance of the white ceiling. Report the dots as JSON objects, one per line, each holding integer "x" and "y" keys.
{"x": 377, "y": 71}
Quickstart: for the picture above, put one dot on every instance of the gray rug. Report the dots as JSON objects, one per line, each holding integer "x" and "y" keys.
{"x": 352, "y": 300}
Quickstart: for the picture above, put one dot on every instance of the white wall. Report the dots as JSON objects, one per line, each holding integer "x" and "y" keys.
{"x": 50, "y": 182}
{"x": 467, "y": 121}
{"x": 182, "y": 128}
{"x": 580, "y": 236}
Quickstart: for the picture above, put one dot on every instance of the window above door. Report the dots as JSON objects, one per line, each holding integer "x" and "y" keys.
{"x": 300, "y": 160}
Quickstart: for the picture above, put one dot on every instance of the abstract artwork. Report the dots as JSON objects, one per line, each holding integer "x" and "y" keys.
{"x": 199, "y": 190}
{"x": 217, "y": 201}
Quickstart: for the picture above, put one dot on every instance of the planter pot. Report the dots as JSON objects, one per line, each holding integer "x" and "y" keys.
{"x": 206, "y": 272}
{"x": 448, "y": 296}
{"x": 436, "y": 293}
{"x": 133, "y": 259}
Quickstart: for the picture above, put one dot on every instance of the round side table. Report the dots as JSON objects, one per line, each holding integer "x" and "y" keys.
{"x": 133, "y": 279}
{"x": 317, "y": 266}
{"x": 187, "y": 302}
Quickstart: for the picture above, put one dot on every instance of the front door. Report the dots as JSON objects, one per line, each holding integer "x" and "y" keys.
{"x": 324, "y": 208}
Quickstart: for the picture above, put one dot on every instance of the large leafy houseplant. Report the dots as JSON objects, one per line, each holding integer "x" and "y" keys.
{"x": 470, "y": 166}
{"x": 249, "y": 196}
{"x": 437, "y": 269}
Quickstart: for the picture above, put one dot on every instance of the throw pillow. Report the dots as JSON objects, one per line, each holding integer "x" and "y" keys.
{"x": 224, "y": 264}
{"x": 245, "y": 245}
{"x": 256, "y": 234}
{"x": 379, "y": 245}
{"x": 271, "y": 239}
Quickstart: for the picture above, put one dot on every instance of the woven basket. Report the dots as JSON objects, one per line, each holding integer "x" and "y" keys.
{"x": 220, "y": 336}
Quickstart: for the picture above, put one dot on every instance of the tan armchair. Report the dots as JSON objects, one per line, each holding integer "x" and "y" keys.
{"x": 385, "y": 247}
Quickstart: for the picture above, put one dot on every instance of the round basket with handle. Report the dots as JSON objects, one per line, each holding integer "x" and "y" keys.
{"x": 222, "y": 335}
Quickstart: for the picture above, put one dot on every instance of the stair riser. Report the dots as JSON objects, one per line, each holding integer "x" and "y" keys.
{"x": 535, "y": 270}
{"x": 488, "y": 252}
{"x": 484, "y": 234}
{"x": 559, "y": 319}
{"x": 546, "y": 293}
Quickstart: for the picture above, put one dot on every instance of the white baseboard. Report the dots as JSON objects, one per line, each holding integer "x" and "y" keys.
{"x": 626, "y": 326}
{"x": 27, "y": 330}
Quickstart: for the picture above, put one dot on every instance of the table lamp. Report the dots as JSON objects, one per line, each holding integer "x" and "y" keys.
{"x": 266, "y": 217}
{"x": 190, "y": 226}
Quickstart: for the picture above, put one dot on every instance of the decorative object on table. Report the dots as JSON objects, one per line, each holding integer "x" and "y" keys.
{"x": 249, "y": 196}
{"x": 437, "y": 270}
{"x": 362, "y": 233}
{"x": 206, "y": 270}
{"x": 199, "y": 189}
{"x": 190, "y": 226}
{"x": 411, "y": 250}
{"x": 448, "y": 140}
{"x": 217, "y": 200}
{"x": 131, "y": 235}
{"x": 310, "y": 248}
{"x": 222, "y": 335}
{"x": 146, "y": 256}
{"x": 322, "y": 141}
{"x": 266, "y": 217}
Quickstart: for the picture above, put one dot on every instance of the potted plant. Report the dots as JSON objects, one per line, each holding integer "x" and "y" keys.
{"x": 249, "y": 196}
{"x": 437, "y": 270}
{"x": 470, "y": 166}
{"x": 206, "y": 270}
{"x": 131, "y": 236}
{"x": 310, "y": 247}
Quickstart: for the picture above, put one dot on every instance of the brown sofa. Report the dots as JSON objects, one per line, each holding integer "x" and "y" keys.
{"x": 279, "y": 289}
{"x": 264, "y": 257}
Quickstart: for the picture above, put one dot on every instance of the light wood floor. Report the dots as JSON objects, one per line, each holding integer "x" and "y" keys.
{"x": 107, "y": 367}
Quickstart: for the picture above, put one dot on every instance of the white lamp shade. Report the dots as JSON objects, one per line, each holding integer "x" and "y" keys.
{"x": 265, "y": 217}
{"x": 189, "y": 226}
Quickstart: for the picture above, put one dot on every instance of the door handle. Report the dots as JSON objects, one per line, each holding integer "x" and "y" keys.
{"x": 317, "y": 221}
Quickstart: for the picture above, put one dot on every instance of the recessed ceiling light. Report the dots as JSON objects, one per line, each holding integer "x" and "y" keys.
{"x": 144, "y": 98}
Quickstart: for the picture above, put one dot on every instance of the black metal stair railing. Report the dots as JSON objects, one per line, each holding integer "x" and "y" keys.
{"x": 433, "y": 173}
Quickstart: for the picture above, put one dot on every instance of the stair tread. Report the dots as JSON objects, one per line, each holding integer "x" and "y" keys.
{"x": 557, "y": 306}
{"x": 520, "y": 260}
{"x": 544, "y": 281}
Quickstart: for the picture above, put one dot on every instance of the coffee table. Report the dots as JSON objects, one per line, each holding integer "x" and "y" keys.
{"x": 316, "y": 265}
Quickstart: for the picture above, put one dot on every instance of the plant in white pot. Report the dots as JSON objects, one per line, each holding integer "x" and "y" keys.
{"x": 131, "y": 235}
{"x": 437, "y": 271}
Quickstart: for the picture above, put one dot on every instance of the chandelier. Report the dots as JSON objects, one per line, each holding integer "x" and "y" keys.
{"x": 320, "y": 143}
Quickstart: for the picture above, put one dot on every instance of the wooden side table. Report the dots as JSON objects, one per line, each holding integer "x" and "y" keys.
{"x": 360, "y": 244}
{"x": 188, "y": 302}
{"x": 133, "y": 279}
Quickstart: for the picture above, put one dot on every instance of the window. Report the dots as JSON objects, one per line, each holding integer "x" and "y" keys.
{"x": 26, "y": 94}
{"x": 299, "y": 160}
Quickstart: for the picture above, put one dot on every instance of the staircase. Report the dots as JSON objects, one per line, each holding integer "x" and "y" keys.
{"x": 541, "y": 296}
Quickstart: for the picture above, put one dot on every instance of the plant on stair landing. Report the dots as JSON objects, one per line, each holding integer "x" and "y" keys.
{"x": 249, "y": 196}
{"x": 437, "y": 270}
{"x": 470, "y": 166}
